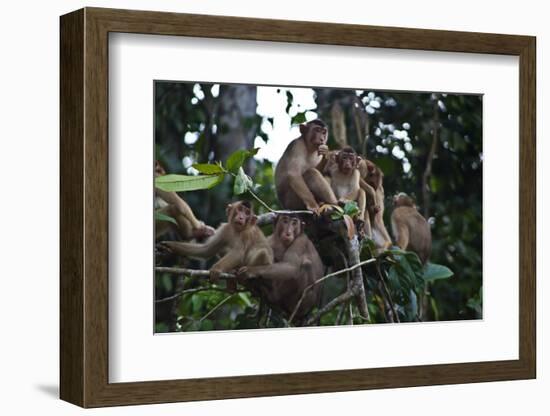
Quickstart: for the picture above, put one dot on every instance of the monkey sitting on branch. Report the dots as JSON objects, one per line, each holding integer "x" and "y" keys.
{"x": 242, "y": 241}
{"x": 344, "y": 177}
{"x": 410, "y": 229}
{"x": 371, "y": 182}
{"x": 298, "y": 182}
{"x": 297, "y": 265}
{"x": 171, "y": 204}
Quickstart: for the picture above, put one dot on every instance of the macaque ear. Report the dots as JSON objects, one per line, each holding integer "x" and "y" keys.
{"x": 228, "y": 209}
{"x": 358, "y": 159}
{"x": 303, "y": 129}
{"x": 253, "y": 219}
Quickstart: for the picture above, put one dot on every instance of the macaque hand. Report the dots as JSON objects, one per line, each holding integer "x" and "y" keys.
{"x": 215, "y": 275}
{"x": 314, "y": 208}
{"x": 322, "y": 150}
{"x": 243, "y": 274}
{"x": 202, "y": 232}
{"x": 165, "y": 247}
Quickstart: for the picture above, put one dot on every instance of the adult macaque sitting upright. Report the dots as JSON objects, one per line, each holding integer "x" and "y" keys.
{"x": 298, "y": 181}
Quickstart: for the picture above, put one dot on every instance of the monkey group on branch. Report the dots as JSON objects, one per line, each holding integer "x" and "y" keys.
{"x": 308, "y": 176}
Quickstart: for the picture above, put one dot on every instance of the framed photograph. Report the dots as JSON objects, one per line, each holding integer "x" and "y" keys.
{"x": 255, "y": 207}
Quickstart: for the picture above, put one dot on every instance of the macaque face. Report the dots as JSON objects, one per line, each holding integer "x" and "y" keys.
{"x": 347, "y": 162}
{"x": 159, "y": 170}
{"x": 402, "y": 200}
{"x": 240, "y": 215}
{"x": 374, "y": 175}
{"x": 287, "y": 229}
{"x": 315, "y": 134}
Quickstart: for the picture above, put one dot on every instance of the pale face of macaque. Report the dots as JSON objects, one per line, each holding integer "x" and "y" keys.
{"x": 287, "y": 229}
{"x": 347, "y": 161}
{"x": 315, "y": 135}
{"x": 240, "y": 215}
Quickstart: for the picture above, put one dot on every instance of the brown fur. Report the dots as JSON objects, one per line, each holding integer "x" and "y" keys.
{"x": 298, "y": 181}
{"x": 240, "y": 239}
{"x": 410, "y": 229}
{"x": 297, "y": 265}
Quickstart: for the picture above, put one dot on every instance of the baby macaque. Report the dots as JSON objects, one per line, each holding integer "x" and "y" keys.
{"x": 344, "y": 178}
{"x": 300, "y": 185}
{"x": 171, "y": 204}
{"x": 240, "y": 240}
{"x": 410, "y": 229}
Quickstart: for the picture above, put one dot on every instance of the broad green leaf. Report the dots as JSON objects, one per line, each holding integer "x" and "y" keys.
{"x": 184, "y": 183}
{"x": 159, "y": 216}
{"x": 236, "y": 160}
{"x": 436, "y": 271}
{"x": 208, "y": 168}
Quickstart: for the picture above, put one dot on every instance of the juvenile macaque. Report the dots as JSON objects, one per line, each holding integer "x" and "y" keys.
{"x": 298, "y": 181}
{"x": 240, "y": 239}
{"x": 171, "y": 204}
{"x": 344, "y": 178}
{"x": 410, "y": 229}
{"x": 297, "y": 265}
{"x": 371, "y": 182}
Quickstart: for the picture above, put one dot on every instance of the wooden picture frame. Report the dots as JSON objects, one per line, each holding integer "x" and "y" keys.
{"x": 84, "y": 207}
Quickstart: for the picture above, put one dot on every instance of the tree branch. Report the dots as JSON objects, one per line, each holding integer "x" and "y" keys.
{"x": 308, "y": 288}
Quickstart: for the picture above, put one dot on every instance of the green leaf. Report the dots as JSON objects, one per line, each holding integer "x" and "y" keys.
{"x": 159, "y": 216}
{"x": 237, "y": 158}
{"x": 242, "y": 183}
{"x": 298, "y": 119}
{"x": 436, "y": 271}
{"x": 208, "y": 168}
{"x": 184, "y": 183}
{"x": 351, "y": 208}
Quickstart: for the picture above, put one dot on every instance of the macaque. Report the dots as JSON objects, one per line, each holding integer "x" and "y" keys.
{"x": 298, "y": 181}
{"x": 297, "y": 265}
{"x": 344, "y": 178}
{"x": 371, "y": 182}
{"x": 171, "y": 204}
{"x": 410, "y": 229}
{"x": 240, "y": 240}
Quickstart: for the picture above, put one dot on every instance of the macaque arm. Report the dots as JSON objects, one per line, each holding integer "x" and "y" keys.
{"x": 181, "y": 206}
{"x": 275, "y": 271}
{"x": 205, "y": 250}
{"x": 361, "y": 202}
{"x": 369, "y": 190}
{"x": 230, "y": 261}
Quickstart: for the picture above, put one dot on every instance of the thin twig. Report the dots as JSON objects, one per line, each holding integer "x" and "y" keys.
{"x": 211, "y": 311}
{"x": 308, "y": 288}
{"x": 191, "y": 291}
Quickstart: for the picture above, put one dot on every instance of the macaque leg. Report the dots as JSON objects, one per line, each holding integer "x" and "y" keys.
{"x": 368, "y": 227}
{"x": 227, "y": 263}
{"x": 319, "y": 186}
{"x": 402, "y": 238}
{"x": 361, "y": 202}
{"x": 181, "y": 207}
